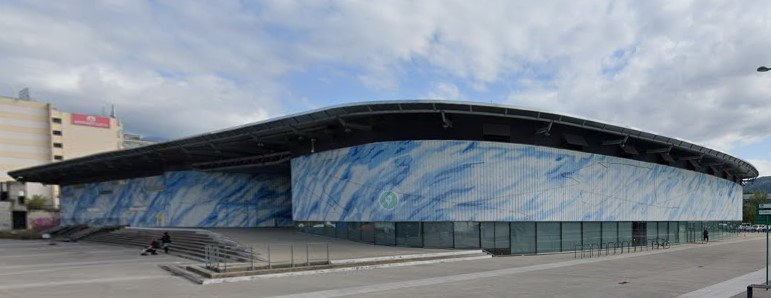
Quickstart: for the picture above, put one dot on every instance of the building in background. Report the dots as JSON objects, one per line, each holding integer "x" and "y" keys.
{"x": 34, "y": 133}
{"x": 131, "y": 141}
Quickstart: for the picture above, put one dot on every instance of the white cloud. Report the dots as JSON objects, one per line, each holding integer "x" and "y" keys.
{"x": 683, "y": 69}
{"x": 442, "y": 90}
{"x": 763, "y": 166}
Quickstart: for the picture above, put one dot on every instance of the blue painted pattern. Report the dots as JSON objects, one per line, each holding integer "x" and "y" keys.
{"x": 488, "y": 181}
{"x": 182, "y": 199}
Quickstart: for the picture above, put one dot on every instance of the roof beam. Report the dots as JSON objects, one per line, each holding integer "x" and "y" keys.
{"x": 659, "y": 150}
{"x": 616, "y": 141}
{"x": 546, "y": 130}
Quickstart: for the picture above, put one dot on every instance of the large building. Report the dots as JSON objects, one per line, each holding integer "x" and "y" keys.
{"x": 416, "y": 173}
{"x": 35, "y": 133}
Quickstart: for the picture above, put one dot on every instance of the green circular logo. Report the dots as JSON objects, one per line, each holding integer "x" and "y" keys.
{"x": 388, "y": 200}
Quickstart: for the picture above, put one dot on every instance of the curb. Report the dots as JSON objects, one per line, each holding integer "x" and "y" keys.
{"x": 401, "y": 257}
{"x": 312, "y": 272}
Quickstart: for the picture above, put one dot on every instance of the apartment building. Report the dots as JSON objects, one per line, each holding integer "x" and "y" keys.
{"x": 34, "y": 132}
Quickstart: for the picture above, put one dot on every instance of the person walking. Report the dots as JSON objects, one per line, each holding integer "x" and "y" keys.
{"x": 166, "y": 242}
{"x": 705, "y": 236}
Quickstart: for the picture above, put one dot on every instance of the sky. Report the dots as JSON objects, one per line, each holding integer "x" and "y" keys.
{"x": 684, "y": 69}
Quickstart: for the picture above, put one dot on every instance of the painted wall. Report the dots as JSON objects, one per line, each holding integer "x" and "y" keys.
{"x": 182, "y": 199}
{"x": 39, "y": 220}
{"x": 6, "y": 215}
{"x": 487, "y": 181}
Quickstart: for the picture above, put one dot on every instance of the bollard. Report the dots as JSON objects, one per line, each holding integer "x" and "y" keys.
{"x": 307, "y": 255}
{"x": 269, "y": 267}
{"x": 291, "y": 256}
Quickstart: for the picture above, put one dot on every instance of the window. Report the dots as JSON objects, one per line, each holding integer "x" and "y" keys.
{"x": 592, "y": 234}
{"x": 522, "y": 237}
{"x": 58, "y": 157}
{"x": 57, "y": 132}
{"x": 610, "y": 232}
{"x": 408, "y": 234}
{"x": 56, "y": 120}
{"x": 367, "y": 232}
{"x": 385, "y": 233}
{"x": 571, "y": 236}
{"x": 58, "y": 145}
{"x": 547, "y": 237}
{"x": 466, "y": 235}
{"x": 437, "y": 234}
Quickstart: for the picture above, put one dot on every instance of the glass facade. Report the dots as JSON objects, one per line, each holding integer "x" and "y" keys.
{"x": 466, "y": 235}
{"x": 437, "y": 235}
{"x": 548, "y": 237}
{"x": 409, "y": 234}
{"x": 385, "y": 233}
{"x": 520, "y": 238}
{"x": 610, "y": 232}
{"x": 571, "y": 235}
{"x": 592, "y": 234}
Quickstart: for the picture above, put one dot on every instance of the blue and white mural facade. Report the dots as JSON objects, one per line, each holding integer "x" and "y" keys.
{"x": 182, "y": 199}
{"x": 488, "y": 181}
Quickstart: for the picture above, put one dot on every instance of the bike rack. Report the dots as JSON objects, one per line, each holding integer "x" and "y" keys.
{"x": 607, "y": 247}
{"x": 628, "y": 246}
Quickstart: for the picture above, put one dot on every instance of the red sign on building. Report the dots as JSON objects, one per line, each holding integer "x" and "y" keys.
{"x": 89, "y": 120}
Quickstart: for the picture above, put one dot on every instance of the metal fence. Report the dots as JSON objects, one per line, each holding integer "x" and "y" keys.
{"x": 597, "y": 249}
{"x": 275, "y": 255}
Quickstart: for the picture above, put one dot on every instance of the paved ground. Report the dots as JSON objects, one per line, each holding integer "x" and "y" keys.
{"x": 33, "y": 268}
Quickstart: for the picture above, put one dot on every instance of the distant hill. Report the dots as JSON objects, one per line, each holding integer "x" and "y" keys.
{"x": 761, "y": 183}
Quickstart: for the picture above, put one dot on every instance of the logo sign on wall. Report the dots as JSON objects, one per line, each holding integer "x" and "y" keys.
{"x": 388, "y": 200}
{"x": 90, "y": 120}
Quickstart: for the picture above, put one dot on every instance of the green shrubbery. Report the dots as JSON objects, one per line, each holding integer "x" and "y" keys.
{"x": 750, "y": 206}
{"x": 37, "y": 202}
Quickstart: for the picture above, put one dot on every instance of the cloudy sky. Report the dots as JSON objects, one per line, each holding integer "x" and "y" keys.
{"x": 174, "y": 68}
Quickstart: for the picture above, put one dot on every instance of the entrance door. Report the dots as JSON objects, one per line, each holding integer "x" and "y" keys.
{"x": 639, "y": 232}
{"x": 19, "y": 220}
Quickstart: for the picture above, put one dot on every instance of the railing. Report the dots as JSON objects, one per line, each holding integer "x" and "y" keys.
{"x": 273, "y": 260}
{"x": 224, "y": 259}
{"x": 587, "y": 250}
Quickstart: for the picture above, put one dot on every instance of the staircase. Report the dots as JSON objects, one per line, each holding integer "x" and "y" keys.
{"x": 187, "y": 243}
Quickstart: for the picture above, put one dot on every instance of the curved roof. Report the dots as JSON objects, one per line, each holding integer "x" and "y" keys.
{"x": 272, "y": 142}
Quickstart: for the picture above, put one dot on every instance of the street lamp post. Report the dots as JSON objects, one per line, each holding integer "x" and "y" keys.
{"x": 765, "y": 69}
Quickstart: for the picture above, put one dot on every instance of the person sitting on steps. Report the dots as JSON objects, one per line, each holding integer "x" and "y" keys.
{"x": 166, "y": 242}
{"x": 152, "y": 249}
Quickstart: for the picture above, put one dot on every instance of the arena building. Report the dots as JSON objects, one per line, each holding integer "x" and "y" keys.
{"x": 416, "y": 173}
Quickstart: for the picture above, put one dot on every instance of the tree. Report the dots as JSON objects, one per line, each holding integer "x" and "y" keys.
{"x": 38, "y": 202}
{"x": 750, "y": 206}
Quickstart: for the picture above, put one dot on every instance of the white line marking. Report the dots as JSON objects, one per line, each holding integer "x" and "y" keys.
{"x": 80, "y": 281}
{"x": 729, "y": 288}
{"x": 106, "y": 262}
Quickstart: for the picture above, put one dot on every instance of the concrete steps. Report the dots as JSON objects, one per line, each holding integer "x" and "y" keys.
{"x": 238, "y": 272}
{"x": 185, "y": 243}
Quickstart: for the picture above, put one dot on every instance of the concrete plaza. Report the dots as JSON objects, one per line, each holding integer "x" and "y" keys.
{"x": 718, "y": 269}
